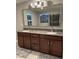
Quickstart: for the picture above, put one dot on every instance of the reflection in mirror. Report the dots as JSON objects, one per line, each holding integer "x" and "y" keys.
{"x": 47, "y": 17}
{"x": 32, "y": 18}
{"x": 44, "y": 18}
{"x": 27, "y": 17}
{"x": 54, "y": 20}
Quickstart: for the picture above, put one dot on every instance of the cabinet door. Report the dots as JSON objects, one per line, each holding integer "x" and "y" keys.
{"x": 56, "y": 47}
{"x": 26, "y": 41}
{"x": 44, "y": 45}
{"x": 20, "y": 40}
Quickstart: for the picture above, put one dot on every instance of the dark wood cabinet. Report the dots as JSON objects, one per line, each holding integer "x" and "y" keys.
{"x": 35, "y": 42}
{"x": 56, "y": 47}
{"x": 44, "y": 45}
{"x": 27, "y": 40}
{"x": 20, "y": 40}
{"x": 49, "y": 44}
{"x": 24, "y": 39}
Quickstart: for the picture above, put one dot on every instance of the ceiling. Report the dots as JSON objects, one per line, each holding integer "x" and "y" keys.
{"x": 54, "y": 1}
{"x": 20, "y": 1}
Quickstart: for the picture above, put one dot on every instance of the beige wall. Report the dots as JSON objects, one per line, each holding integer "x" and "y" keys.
{"x": 19, "y": 16}
{"x": 57, "y": 1}
{"x": 19, "y": 23}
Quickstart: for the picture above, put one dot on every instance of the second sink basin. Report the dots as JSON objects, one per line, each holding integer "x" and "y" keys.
{"x": 51, "y": 33}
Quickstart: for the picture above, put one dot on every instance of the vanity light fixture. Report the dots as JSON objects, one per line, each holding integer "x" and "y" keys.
{"x": 39, "y": 4}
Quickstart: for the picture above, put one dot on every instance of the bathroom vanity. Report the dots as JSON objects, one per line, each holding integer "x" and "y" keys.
{"x": 43, "y": 25}
{"x": 46, "y": 42}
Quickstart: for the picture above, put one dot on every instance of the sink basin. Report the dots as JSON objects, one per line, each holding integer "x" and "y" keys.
{"x": 26, "y": 31}
{"x": 51, "y": 33}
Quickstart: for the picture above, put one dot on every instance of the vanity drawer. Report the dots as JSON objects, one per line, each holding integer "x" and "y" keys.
{"x": 53, "y": 37}
{"x": 45, "y": 36}
{"x": 23, "y": 34}
{"x": 35, "y": 35}
{"x": 35, "y": 47}
{"x": 35, "y": 40}
{"x": 56, "y": 38}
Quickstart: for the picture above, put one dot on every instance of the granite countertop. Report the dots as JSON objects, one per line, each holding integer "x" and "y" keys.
{"x": 43, "y": 32}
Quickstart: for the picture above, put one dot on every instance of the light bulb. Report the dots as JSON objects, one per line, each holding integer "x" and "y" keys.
{"x": 35, "y": 3}
{"x": 32, "y": 5}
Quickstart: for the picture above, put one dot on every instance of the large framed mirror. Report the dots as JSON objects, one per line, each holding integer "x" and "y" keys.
{"x": 47, "y": 17}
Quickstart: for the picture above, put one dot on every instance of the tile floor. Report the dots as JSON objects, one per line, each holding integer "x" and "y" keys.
{"x": 22, "y": 53}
